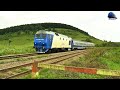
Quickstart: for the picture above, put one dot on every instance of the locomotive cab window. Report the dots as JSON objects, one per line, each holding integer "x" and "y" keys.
{"x": 56, "y": 34}
{"x": 37, "y": 35}
{"x": 42, "y": 36}
{"x": 49, "y": 36}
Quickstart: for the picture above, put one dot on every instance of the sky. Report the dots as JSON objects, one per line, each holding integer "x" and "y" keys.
{"x": 96, "y": 23}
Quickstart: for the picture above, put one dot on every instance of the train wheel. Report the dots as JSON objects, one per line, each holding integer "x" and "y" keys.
{"x": 66, "y": 49}
{"x": 57, "y": 50}
{"x": 49, "y": 51}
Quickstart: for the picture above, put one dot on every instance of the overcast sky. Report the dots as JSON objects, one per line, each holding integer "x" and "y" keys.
{"x": 95, "y": 23}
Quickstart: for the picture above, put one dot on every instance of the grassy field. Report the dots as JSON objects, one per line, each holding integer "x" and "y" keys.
{"x": 20, "y": 44}
{"x": 101, "y": 58}
{"x": 23, "y": 43}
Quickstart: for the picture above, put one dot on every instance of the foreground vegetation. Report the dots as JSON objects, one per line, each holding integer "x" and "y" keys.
{"x": 102, "y": 58}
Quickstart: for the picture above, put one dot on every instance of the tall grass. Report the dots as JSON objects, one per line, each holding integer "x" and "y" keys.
{"x": 104, "y": 58}
{"x": 112, "y": 58}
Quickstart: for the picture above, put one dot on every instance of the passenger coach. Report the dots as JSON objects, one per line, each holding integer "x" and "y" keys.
{"x": 81, "y": 45}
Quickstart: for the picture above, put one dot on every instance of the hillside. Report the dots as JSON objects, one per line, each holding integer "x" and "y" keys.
{"x": 19, "y": 39}
{"x": 56, "y": 27}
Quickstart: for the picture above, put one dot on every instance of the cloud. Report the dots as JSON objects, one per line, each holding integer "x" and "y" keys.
{"x": 95, "y": 23}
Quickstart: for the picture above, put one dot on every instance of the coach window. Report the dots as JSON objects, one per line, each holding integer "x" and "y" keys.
{"x": 69, "y": 42}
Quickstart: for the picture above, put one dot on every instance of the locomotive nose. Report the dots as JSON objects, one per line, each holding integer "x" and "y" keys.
{"x": 43, "y": 43}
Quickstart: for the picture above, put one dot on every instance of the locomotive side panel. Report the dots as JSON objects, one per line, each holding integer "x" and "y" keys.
{"x": 60, "y": 41}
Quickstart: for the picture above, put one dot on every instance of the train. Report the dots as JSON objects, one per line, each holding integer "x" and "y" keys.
{"x": 49, "y": 41}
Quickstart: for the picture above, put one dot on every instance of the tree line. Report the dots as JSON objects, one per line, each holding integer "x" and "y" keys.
{"x": 109, "y": 44}
{"x": 38, "y": 26}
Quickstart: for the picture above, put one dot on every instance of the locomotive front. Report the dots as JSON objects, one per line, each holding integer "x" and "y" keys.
{"x": 43, "y": 41}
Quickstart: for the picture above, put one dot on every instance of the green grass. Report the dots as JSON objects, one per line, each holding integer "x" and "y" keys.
{"x": 104, "y": 58}
{"x": 112, "y": 58}
{"x": 58, "y": 74}
{"x": 20, "y": 44}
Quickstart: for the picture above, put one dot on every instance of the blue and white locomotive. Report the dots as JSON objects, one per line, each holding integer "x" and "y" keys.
{"x": 48, "y": 41}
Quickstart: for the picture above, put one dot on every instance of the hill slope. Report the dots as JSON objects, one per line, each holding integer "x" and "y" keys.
{"x": 56, "y": 27}
{"x": 19, "y": 39}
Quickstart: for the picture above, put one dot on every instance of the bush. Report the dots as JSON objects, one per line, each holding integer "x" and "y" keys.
{"x": 88, "y": 40}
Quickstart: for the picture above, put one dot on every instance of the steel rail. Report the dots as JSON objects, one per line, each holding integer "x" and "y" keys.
{"x": 17, "y": 56}
{"x": 28, "y": 64}
{"x": 16, "y": 75}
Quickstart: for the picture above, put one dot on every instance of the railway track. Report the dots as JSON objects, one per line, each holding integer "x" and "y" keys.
{"x": 7, "y": 57}
{"x": 23, "y": 60}
{"x": 52, "y": 60}
{"x": 17, "y": 56}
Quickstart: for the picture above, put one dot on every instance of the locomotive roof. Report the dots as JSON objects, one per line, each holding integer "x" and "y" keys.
{"x": 43, "y": 31}
{"x": 51, "y": 32}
